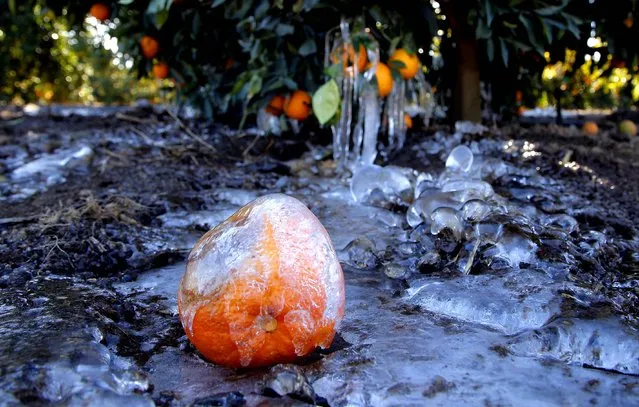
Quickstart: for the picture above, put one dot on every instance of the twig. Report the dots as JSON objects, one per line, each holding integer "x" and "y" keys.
{"x": 143, "y": 135}
{"x": 19, "y": 219}
{"x": 190, "y": 132}
{"x": 134, "y": 119}
{"x": 250, "y": 146}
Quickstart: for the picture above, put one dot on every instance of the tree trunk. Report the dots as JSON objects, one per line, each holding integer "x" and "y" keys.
{"x": 467, "y": 103}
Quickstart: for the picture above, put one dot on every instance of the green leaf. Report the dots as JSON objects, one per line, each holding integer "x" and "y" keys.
{"x": 530, "y": 28}
{"x": 160, "y": 18}
{"x": 217, "y": 3}
{"x": 334, "y": 70}
{"x": 547, "y": 30}
{"x": 255, "y": 85}
{"x": 548, "y": 11}
{"x": 309, "y": 47}
{"x": 283, "y": 29}
{"x": 394, "y": 43}
{"x": 482, "y": 31}
{"x": 326, "y": 101}
{"x": 156, "y": 6}
{"x": 126, "y": 2}
{"x": 504, "y": 51}
{"x": 489, "y": 12}
{"x": 12, "y": 7}
{"x": 490, "y": 48}
{"x": 197, "y": 23}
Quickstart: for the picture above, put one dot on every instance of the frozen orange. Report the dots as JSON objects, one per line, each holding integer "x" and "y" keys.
{"x": 276, "y": 105}
{"x": 384, "y": 79}
{"x": 263, "y": 287}
{"x": 408, "y": 121}
{"x": 298, "y": 105}
{"x": 410, "y": 61}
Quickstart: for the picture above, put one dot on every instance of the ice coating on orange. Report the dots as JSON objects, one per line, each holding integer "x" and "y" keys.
{"x": 263, "y": 287}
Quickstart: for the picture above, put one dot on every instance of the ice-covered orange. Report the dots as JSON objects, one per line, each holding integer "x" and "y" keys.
{"x": 263, "y": 287}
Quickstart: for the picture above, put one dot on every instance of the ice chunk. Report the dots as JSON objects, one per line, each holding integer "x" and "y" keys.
{"x": 517, "y": 304}
{"x": 422, "y": 208}
{"x": 446, "y": 218}
{"x": 468, "y": 127}
{"x": 460, "y": 159}
{"x": 49, "y": 164}
{"x": 424, "y": 182}
{"x": 605, "y": 344}
{"x": 475, "y": 210}
{"x": 515, "y": 249}
{"x": 469, "y": 189}
{"x": 391, "y": 181}
{"x": 360, "y": 253}
{"x": 566, "y": 223}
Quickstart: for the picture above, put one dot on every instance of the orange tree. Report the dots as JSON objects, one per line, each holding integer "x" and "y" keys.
{"x": 231, "y": 57}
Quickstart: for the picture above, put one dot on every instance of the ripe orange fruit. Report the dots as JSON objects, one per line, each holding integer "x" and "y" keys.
{"x": 384, "y": 79}
{"x": 411, "y": 63}
{"x": 519, "y": 96}
{"x": 408, "y": 121}
{"x": 298, "y": 105}
{"x": 521, "y": 110}
{"x": 629, "y": 22}
{"x": 100, "y": 11}
{"x": 628, "y": 128}
{"x": 263, "y": 287}
{"x": 590, "y": 128}
{"x": 348, "y": 58}
{"x": 276, "y": 105}
{"x": 161, "y": 70}
{"x": 150, "y": 47}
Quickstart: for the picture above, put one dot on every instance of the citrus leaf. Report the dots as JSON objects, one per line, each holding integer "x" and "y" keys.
{"x": 309, "y": 47}
{"x": 326, "y": 101}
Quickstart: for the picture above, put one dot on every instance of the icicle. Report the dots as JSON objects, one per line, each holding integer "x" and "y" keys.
{"x": 370, "y": 101}
{"x": 268, "y": 123}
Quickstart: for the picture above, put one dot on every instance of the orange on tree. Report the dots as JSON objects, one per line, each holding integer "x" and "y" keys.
{"x": 150, "y": 47}
{"x": 161, "y": 70}
{"x": 100, "y": 11}
{"x": 348, "y": 58}
{"x": 590, "y": 128}
{"x": 263, "y": 287}
{"x": 519, "y": 96}
{"x": 629, "y": 22}
{"x": 384, "y": 79}
{"x": 408, "y": 121}
{"x": 298, "y": 105}
{"x": 410, "y": 61}
{"x": 276, "y": 105}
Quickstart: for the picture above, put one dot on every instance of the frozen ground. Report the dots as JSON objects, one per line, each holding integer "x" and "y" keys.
{"x": 481, "y": 278}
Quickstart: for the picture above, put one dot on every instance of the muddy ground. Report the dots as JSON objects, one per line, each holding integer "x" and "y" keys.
{"x": 101, "y": 224}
